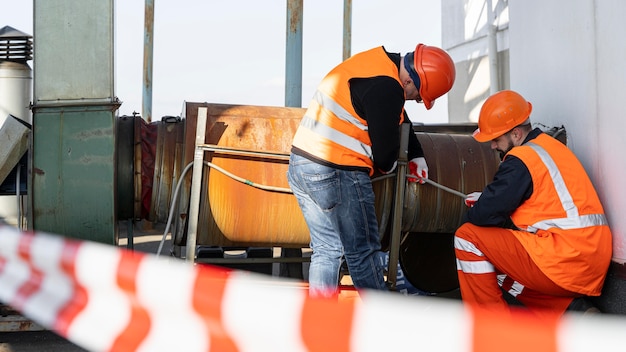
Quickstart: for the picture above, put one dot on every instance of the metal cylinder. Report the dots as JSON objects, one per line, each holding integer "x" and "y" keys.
{"x": 15, "y": 90}
{"x": 234, "y": 213}
{"x": 428, "y": 262}
{"x": 431, "y": 215}
{"x": 456, "y": 161}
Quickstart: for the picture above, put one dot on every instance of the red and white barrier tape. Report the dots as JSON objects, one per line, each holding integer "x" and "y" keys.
{"x": 105, "y": 298}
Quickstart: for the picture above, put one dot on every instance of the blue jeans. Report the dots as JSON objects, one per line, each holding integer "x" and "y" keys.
{"x": 339, "y": 209}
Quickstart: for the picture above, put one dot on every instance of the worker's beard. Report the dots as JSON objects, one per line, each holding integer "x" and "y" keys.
{"x": 503, "y": 152}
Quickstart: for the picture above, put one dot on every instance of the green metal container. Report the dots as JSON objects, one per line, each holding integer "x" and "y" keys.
{"x": 73, "y": 172}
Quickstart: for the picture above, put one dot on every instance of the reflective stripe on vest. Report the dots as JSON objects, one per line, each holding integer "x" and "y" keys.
{"x": 332, "y": 134}
{"x": 573, "y": 219}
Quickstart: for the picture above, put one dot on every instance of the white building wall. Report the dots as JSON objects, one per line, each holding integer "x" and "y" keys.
{"x": 569, "y": 60}
{"x": 465, "y": 36}
{"x": 573, "y": 69}
{"x": 609, "y": 165}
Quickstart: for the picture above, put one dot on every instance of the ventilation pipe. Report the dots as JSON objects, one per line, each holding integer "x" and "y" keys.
{"x": 16, "y": 49}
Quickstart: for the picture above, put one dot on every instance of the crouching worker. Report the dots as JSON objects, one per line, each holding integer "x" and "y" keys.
{"x": 538, "y": 230}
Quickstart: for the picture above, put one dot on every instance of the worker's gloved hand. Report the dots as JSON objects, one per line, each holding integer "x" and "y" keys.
{"x": 418, "y": 167}
{"x": 472, "y": 198}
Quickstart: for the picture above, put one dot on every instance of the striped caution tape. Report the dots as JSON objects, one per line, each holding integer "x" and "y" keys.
{"x": 105, "y": 298}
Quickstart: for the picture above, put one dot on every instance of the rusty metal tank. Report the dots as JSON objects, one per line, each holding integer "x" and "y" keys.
{"x": 456, "y": 161}
{"x": 233, "y": 213}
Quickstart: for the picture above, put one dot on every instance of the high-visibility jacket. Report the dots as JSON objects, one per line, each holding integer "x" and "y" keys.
{"x": 331, "y": 130}
{"x": 568, "y": 236}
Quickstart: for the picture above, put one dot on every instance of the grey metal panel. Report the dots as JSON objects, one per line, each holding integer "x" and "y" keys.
{"x": 73, "y": 51}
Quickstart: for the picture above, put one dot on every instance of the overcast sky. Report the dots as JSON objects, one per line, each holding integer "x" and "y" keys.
{"x": 234, "y": 51}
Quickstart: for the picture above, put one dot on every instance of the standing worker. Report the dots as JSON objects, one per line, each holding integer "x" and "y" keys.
{"x": 538, "y": 230}
{"x": 350, "y": 131}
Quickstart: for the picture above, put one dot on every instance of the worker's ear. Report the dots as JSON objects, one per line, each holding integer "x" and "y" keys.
{"x": 515, "y": 132}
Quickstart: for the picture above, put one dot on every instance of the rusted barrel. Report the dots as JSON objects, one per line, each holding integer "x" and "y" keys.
{"x": 237, "y": 214}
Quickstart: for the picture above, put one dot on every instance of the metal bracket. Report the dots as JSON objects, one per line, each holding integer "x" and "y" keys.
{"x": 196, "y": 185}
{"x": 396, "y": 224}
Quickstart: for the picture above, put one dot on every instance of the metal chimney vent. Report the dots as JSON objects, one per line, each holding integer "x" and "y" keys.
{"x": 15, "y": 46}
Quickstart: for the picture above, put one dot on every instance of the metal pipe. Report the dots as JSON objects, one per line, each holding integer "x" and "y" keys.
{"x": 253, "y": 260}
{"x": 148, "y": 43}
{"x": 347, "y": 28}
{"x": 241, "y": 152}
{"x": 293, "y": 93}
{"x": 492, "y": 32}
{"x": 293, "y": 60}
{"x": 447, "y": 189}
{"x": 196, "y": 185}
{"x": 18, "y": 196}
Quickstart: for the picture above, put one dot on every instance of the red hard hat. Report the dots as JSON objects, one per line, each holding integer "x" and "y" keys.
{"x": 500, "y": 113}
{"x": 436, "y": 71}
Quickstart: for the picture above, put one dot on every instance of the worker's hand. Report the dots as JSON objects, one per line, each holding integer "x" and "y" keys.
{"x": 418, "y": 167}
{"x": 472, "y": 198}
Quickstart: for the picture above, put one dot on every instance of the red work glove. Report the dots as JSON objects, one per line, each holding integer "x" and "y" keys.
{"x": 418, "y": 167}
{"x": 472, "y": 198}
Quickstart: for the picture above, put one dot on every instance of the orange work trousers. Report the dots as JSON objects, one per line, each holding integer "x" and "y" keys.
{"x": 491, "y": 259}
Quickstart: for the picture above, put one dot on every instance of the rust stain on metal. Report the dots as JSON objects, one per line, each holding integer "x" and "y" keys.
{"x": 25, "y": 325}
{"x": 12, "y": 320}
{"x": 96, "y": 133}
{"x": 294, "y": 8}
{"x": 241, "y": 132}
{"x": 149, "y": 16}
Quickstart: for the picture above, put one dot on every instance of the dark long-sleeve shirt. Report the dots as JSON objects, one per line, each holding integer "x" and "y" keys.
{"x": 511, "y": 186}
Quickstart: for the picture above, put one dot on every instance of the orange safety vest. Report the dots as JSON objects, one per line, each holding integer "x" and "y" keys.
{"x": 565, "y": 229}
{"x": 331, "y": 130}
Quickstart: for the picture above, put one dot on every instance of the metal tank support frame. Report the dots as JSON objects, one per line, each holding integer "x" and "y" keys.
{"x": 196, "y": 185}
{"x": 200, "y": 147}
{"x": 396, "y": 224}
